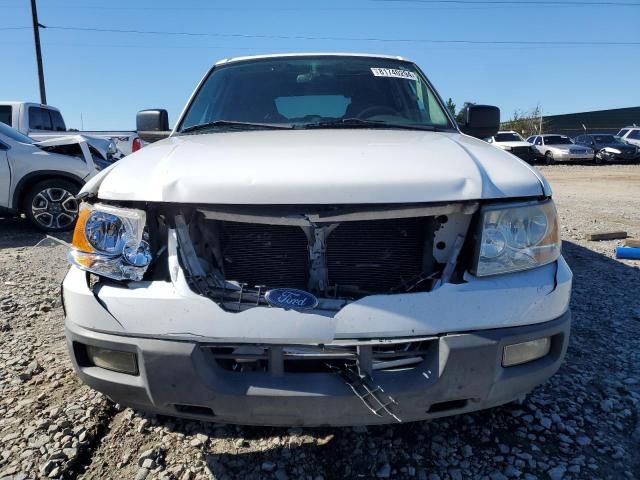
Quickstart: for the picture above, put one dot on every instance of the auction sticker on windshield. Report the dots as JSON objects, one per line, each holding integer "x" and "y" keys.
{"x": 393, "y": 73}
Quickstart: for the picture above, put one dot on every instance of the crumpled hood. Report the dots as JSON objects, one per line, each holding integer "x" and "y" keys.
{"x": 319, "y": 167}
{"x": 617, "y": 146}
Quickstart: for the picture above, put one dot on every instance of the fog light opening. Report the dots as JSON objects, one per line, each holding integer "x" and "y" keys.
{"x": 519, "y": 353}
{"x": 114, "y": 360}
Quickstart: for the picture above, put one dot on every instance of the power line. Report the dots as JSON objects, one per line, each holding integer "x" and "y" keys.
{"x": 229, "y": 48}
{"x": 479, "y": 3}
{"x": 350, "y": 39}
{"x": 522, "y": 2}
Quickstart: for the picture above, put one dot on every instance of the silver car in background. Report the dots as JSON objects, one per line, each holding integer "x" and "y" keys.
{"x": 559, "y": 148}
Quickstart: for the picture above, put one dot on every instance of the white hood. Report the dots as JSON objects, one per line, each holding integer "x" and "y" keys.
{"x": 319, "y": 167}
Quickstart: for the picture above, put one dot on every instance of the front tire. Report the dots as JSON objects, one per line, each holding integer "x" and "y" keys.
{"x": 51, "y": 206}
{"x": 548, "y": 158}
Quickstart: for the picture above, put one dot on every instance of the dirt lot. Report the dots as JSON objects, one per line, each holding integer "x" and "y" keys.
{"x": 583, "y": 423}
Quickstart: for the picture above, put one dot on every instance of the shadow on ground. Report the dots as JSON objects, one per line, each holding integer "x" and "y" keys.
{"x": 18, "y": 232}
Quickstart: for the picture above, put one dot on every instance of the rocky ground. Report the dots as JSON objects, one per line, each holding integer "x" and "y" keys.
{"x": 583, "y": 423}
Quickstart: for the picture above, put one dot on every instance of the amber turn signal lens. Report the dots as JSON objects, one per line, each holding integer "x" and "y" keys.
{"x": 80, "y": 241}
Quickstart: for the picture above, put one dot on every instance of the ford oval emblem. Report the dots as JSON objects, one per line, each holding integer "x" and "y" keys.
{"x": 291, "y": 299}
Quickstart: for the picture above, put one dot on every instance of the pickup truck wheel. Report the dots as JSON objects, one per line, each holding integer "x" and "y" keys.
{"x": 51, "y": 205}
{"x": 548, "y": 158}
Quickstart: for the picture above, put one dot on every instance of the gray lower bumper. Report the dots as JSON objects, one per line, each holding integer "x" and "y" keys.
{"x": 463, "y": 374}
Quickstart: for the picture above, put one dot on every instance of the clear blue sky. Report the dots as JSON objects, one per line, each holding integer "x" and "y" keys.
{"x": 108, "y": 77}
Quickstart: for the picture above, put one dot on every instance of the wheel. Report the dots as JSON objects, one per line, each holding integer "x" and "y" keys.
{"x": 51, "y": 205}
{"x": 548, "y": 158}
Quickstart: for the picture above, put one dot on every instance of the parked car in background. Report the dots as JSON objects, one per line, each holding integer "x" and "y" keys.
{"x": 42, "y": 122}
{"x": 609, "y": 148}
{"x": 42, "y": 179}
{"x": 319, "y": 245}
{"x": 559, "y": 148}
{"x": 513, "y": 143}
{"x": 630, "y": 135}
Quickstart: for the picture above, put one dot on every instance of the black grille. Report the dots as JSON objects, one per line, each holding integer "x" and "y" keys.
{"x": 521, "y": 151}
{"x": 376, "y": 255}
{"x": 271, "y": 255}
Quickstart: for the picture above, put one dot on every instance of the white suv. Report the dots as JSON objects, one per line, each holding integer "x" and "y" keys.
{"x": 41, "y": 179}
{"x": 317, "y": 243}
{"x": 631, "y": 135}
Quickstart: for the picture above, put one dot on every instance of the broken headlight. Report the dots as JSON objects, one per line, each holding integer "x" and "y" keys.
{"x": 517, "y": 237}
{"x": 111, "y": 242}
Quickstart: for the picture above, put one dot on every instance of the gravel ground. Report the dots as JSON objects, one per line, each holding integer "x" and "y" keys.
{"x": 583, "y": 423}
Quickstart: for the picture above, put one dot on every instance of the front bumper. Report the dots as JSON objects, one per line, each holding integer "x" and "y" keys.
{"x": 618, "y": 157}
{"x": 573, "y": 157}
{"x": 171, "y": 330}
{"x": 462, "y": 373}
{"x": 528, "y": 156}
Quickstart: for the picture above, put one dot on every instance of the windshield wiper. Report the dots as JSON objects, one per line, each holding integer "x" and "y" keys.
{"x": 362, "y": 123}
{"x": 236, "y": 125}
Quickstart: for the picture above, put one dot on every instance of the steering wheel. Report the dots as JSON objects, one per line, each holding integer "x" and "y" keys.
{"x": 376, "y": 110}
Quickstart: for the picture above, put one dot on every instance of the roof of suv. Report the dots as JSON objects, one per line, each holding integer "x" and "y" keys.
{"x": 312, "y": 54}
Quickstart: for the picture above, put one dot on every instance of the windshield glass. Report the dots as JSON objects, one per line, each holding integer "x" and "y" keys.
{"x": 606, "y": 139}
{"x": 508, "y": 137}
{"x": 307, "y": 91}
{"x": 14, "y": 134}
{"x": 557, "y": 140}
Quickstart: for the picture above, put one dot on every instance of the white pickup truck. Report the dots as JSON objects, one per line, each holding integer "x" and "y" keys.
{"x": 317, "y": 242}
{"x": 44, "y": 122}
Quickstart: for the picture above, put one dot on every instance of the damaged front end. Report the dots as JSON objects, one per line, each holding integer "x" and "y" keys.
{"x": 236, "y": 255}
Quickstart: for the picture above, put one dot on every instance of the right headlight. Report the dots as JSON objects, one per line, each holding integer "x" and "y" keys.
{"x": 517, "y": 237}
{"x": 111, "y": 241}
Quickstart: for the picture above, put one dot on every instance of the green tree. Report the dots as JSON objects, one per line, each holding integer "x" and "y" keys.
{"x": 451, "y": 106}
{"x": 526, "y": 123}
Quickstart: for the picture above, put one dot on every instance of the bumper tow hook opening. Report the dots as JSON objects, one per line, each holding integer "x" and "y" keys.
{"x": 373, "y": 396}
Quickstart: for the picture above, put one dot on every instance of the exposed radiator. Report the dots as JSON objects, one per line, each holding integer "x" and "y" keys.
{"x": 270, "y": 255}
{"x": 376, "y": 255}
{"x": 373, "y": 256}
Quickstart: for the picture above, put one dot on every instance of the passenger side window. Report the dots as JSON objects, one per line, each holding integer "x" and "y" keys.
{"x": 634, "y": 135}
{"x": 39, "y": 119}
{"x": 57, "y": 121}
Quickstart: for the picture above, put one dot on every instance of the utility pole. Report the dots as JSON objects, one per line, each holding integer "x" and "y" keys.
{"x": 36, "y": 37}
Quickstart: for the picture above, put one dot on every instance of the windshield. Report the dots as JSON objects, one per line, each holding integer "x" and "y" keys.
{"x": 14, "y": 134}
{"x": 606, "y": 139}
{"x": 319, "y": 91}
{"x": 508, "y": 137}
{"x": 557, "y": 140}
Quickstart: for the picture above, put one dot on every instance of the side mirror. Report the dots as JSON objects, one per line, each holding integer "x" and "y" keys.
{"x": 481, "y": 121}
{"x": 152, "y": 125}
